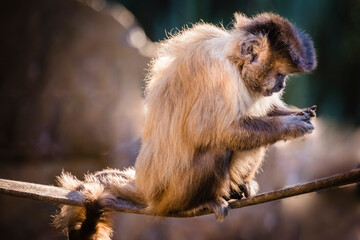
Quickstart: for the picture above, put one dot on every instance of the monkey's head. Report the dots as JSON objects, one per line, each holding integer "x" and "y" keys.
{"x": 267, "y": 49}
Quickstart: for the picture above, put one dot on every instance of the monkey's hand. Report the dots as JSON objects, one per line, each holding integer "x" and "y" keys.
{"x": 308, "y": 111}
{"x": 297, "y": 126}
{"x": 246, "y": 189}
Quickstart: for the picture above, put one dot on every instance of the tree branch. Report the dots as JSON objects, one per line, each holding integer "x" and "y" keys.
{"x": 59, "y": 195}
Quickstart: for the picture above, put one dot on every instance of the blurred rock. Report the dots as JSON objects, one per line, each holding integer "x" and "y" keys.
{"x": 70, "y": 81}
{"x": 70, "y": 98}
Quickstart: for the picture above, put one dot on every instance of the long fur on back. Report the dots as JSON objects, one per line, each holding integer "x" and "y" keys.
{"x": 198, "y": 93}
{"x": 193, "y": 95}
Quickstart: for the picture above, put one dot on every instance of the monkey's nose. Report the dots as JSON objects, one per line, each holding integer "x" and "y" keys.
{"x": 280, "y": 85}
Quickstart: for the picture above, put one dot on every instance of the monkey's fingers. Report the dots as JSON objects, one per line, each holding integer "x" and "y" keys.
{"x": 245, "y": 188}
{"x": 249, "y": 188}
{"x": 235, "y": 195}
{"x": 310, "y": 112}
{"x": 314, "y": 107}
{"x": 244, "y": 192}
{"x": 305, "y": 116}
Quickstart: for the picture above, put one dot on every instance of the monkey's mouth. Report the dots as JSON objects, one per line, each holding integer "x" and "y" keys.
{"x": 277, "y": 88}
{"x": 268, "y": 93}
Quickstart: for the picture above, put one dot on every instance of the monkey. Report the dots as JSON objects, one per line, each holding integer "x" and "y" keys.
{"x": 213, "y": 105}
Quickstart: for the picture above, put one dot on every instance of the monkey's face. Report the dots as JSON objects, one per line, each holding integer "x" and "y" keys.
{"x": 265, "y": 74}
{"x": 275, "y": 83}
{"x": 275, "y": 79}
{"x": 266, "y": 49}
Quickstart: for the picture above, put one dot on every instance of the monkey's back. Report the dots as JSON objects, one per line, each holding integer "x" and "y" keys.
{"x": 189, "y": 100}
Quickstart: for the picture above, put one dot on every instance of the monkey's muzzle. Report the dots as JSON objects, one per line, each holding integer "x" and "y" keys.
{"x": 280, "y": 85}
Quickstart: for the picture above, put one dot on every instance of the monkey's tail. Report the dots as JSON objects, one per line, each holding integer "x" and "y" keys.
{"x": 99, "y": 190}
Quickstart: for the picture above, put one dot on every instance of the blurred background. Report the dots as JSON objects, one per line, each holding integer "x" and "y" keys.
{"x": 71, "y": 94}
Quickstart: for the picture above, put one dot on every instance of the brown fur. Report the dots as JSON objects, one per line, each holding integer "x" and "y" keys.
{"x": 213, "y": 102}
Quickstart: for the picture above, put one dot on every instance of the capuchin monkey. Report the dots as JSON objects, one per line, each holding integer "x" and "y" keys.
{"x": 213, "y": 100}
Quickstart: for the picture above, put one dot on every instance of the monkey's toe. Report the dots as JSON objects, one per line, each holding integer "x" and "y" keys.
{"x": 247, "y": 189}
{"x": 220, "y": 208}
{"x": 235, "y": 195}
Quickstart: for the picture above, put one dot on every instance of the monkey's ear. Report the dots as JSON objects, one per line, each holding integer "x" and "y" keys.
{"x": 241, "y": 20}
{"x": 255, "y": 49}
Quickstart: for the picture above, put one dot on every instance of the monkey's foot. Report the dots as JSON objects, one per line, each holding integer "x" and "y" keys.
{"x": 220, "y": 208}
{"x": 250, "y": 188}
{"x": 247, "y": 189}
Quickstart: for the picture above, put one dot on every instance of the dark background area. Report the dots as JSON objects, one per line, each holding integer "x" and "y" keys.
{"x": 334, "y": 26}
{"x": 71, "y": 83}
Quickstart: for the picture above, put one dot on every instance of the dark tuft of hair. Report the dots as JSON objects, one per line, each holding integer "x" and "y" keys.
{"x": 285, "y": 39}
{"x": 88, "y": 227}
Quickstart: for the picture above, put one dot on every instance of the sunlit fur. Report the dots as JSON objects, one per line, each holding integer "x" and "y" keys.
{"x": 100, "y": 190}
{"x": 192, "y": 97}
{"x": 211, "y": 112}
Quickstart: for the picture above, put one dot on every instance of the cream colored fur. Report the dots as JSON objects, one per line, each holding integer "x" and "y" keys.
{"x": 195, "y": 95}
{"x": 194, "y": 92}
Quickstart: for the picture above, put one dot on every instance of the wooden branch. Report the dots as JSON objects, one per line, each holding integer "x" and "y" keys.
{"x": 40, "y": 192}
{"x": 59, "y": 195}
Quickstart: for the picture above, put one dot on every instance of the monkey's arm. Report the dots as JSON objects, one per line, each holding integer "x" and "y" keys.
{"x": 283, "y": 111}
{"x": 250, "y": 133}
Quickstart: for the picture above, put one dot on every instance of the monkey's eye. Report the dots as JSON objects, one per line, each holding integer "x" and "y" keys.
{"x": 280, "y": 77}
{"x": 254, "y": 58}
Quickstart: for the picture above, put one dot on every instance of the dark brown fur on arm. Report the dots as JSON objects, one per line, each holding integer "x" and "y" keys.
{"x": 251, "y": 133}
{"x": 281, "y": 111}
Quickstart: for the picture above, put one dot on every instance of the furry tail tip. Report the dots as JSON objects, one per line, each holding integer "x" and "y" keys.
{"x": 91, "y": 221}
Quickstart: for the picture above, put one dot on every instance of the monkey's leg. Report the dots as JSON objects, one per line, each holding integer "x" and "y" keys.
{"x": 211, "y": 171}
{"x": 199, "y": 183}
{"x": 244, "y": 166}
